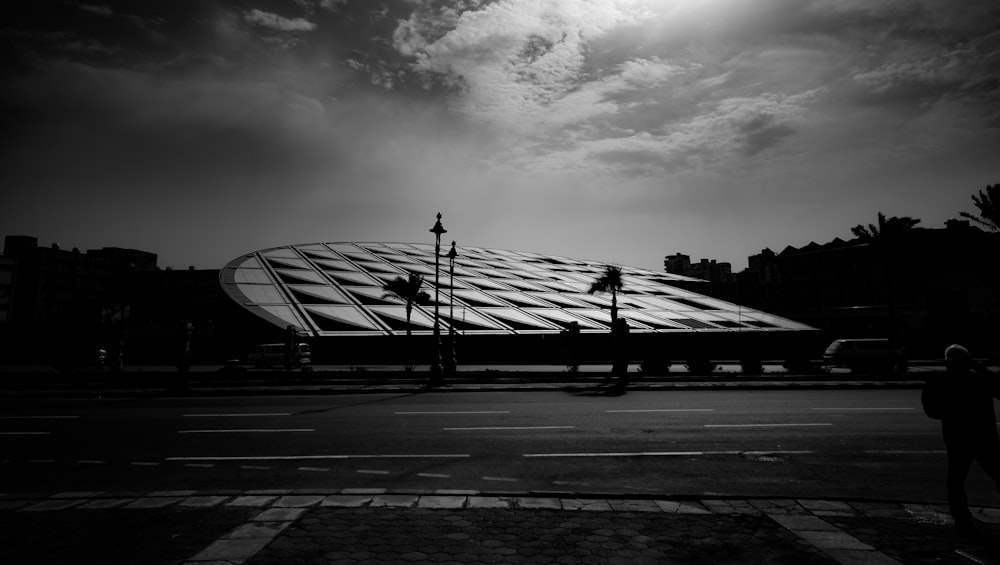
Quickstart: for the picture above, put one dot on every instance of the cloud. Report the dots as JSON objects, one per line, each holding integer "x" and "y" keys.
{"x": 98, "y": 10}
{"x": 275, "y": 22}
{"x": 513, "y": 57}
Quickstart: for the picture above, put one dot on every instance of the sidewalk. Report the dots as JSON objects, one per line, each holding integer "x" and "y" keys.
{"x": 385, "y": 526}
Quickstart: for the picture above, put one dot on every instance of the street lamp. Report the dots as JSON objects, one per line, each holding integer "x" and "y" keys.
{"x": 452, "y": 359}
{"x": 437, "y": 230}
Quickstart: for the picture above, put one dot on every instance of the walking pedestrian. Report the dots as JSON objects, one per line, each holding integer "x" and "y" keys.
{"x": 969, "y": 427}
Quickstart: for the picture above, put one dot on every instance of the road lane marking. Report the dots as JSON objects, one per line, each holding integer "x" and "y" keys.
{"x": 802, "y": 425}
{"x": 371, "y": 472}
{"x": 200, "y": 465}
{"x": 904, "y": 452}
{"x": 316, "y": 457}
{"x": 501, "y": 479}
{"x": 667, "y": 453}
{"x": 513, "y": 428}
{"x": 468, "y": 412}
{"x": 313, "y": 469}
{"x": 24, "y": 433}
{"x": 665, "y": 410}
{"x": 235, "y": 415}
{"x": 254, "y": 431}
{"x": 38, "y": 417}
{"x": 92, "y": 462}
{"x": 434, "y": 475}
{"x": 862, "y": 409}
{"x": 143, "y": 464}
{"x": 255, "y": 467}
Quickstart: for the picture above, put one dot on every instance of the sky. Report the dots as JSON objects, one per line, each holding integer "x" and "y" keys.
{"x": 610, "y": 130}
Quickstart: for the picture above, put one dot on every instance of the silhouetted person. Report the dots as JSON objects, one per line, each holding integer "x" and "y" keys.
{"x": 619, "y": 363}
{"x": 569, "y": 338}
{"x": 969, "y": 426}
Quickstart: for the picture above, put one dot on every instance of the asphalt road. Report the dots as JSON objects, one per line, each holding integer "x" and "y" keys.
{"x": 796, "y": 443}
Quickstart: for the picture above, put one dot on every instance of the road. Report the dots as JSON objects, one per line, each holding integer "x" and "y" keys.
{"x": 795, "y": 443}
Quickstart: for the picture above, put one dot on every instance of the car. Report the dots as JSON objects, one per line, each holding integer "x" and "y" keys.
{"x": 867, "y": 354}
{"x": 270, "y": 355}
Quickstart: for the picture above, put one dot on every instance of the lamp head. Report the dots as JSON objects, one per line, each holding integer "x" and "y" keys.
{"x": 438, "y": 229}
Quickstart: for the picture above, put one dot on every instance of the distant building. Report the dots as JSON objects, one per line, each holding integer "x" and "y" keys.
{"x": 58, "y": 307}
{"x": 943, "y": 284}
{"x": 708, "y": 270}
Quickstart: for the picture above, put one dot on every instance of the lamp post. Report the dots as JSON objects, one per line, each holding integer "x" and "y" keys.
{"x": 452, "y": 359}
{"x": 437, "y": 230}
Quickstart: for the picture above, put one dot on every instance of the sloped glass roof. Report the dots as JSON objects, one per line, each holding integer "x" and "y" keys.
{"x": 331, "y": 289}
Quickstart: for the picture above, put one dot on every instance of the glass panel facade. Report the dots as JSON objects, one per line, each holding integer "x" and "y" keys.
{"x": 336, "y": 289}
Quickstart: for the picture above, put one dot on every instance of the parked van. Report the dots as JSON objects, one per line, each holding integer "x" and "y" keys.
{"x": 268, "y": 355}
{"x": 865, "y": 355}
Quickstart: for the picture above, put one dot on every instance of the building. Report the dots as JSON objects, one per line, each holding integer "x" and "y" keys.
{"x": 705, "y": 269}
{"x": 335, "y": 290}
{"x": 931, "y": 288}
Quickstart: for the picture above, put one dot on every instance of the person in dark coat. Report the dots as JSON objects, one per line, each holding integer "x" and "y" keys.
{"x": 969, "y": 428}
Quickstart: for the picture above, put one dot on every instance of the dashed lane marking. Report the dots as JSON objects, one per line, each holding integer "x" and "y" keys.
{"x": 256, "y": 431}
{"x": 312, "y": 469}
{"x": 667, "y": 453}
{"x": 38, "y": 417}
{"x": 236, "y": 415}
{"x": 861, "y": 409}
{"x": 800, "y": 425}
{"x": 312, "y": 457}
{"x": 144, "y": 464}
{"x": 512, "y": 428}
{"x": 434, "y": 475}
{"x": 255, "y": 467}
{"x": 199, "y": 465}
{"x": 371, "y": 472}
{"x": 465, "y": 412}
{"x": 92, "y": 461}
{"x": 663, "y": 410}
{"x": 501, "y": 479}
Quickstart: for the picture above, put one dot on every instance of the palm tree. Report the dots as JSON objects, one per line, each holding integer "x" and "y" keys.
{"x": 407, "y": 290}
{"x": 886, "y": 231}
{"x": 988, "y": 203}
{"x": 884, "y": 236}
{"x": 609, "y": 281}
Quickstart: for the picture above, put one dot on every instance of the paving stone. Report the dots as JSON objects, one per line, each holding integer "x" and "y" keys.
{"x": 550, "y": 503}
{"x": 860, "y": 557}
{"x": 298, "y": 501}
{"x": 252, "y": 501}
{"x": 203, "y": 501}
{"x": 279, "y": 515}
{"x": 153, "y": 502}
{"x": 488, "y": 502}
{"x": 346, "y": 500}
{"x": 634, "y": 506}
{"x": 825, "y": 505}
{"x": 50, "y": 505}
{"x": 833, "y": 540}
{"x": 229, "y": 550}
{"x": 394, "y": 500}
{"x": 692, "y": 508}
{"x": 804, "y": 523}
{"x": 85, "y": 494}
{"x": 173, "y": 493}
{"x": 441, "y": 502}
{"x": 257, "y": 530}
{"x": 105, "y": 503}
{"x": 587, "y": 504}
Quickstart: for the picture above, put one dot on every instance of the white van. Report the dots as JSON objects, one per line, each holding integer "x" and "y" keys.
{"x": 865, "y": 355}
{"x": 269, "y": 355}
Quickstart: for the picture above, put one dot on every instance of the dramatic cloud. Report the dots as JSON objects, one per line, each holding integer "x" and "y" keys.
{"x": 617, "y": 129}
